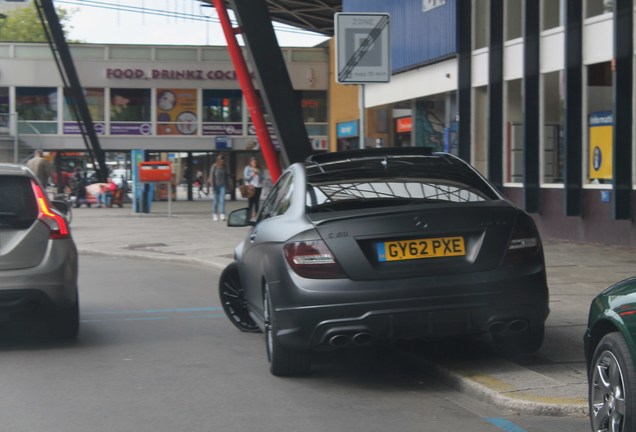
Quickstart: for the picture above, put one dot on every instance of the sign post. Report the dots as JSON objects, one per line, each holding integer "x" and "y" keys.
{"x": 362, "y": 48}
{"x": 362, "y": 53}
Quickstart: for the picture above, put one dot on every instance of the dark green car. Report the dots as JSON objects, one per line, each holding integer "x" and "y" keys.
{"x": 610, "y": 352}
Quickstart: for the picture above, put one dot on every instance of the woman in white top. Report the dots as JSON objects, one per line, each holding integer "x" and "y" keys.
{"x": 252, "y": 175}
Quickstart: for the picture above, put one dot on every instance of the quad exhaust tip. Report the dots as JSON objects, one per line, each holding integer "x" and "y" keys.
{"x": 512, "y": 326}
{"x": 341, "y": 339}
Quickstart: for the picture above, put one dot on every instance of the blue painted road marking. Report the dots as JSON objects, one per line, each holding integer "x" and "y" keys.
{"x": 504, "y": 424}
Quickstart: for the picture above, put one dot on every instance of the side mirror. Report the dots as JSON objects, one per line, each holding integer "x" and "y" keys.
{"x": 239, "y": 218}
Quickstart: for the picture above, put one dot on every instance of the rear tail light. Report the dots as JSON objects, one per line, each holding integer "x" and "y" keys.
{"x": 54, "y": 221}
{"x": 312, "y": 259}
{"x": 524, "y": 242}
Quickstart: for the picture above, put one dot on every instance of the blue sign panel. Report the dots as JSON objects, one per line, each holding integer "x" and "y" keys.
{"x": 421, "y": 31}
{"x": 347, "y": 129}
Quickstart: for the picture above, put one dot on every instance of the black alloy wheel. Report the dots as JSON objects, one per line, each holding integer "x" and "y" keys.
{"x": 232, "y": 297}
{"x": 612, "y": 386}
{"x": 282, "y": 360}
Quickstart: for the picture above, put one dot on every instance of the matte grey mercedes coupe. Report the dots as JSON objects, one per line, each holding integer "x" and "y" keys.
{"x": 354, "y": 248}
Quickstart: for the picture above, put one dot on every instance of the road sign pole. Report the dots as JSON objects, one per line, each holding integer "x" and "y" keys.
{"x": 363, "y": 113}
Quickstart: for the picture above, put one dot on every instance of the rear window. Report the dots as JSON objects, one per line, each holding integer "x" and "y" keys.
{"x": 18, "y": 208}
{"x": 383, "y": 192}
{"x": 390, "y": 180}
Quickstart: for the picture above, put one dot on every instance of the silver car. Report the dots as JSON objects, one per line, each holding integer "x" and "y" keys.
{"x": 38, "y": 258}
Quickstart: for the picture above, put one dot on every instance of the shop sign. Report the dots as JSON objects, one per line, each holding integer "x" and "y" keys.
{"x": 404, "y": 124}
{"x": 73, "y": 128}
{"x": 222, "y": 129}
{"x": 347, "y": 129}
{"x": 171, "y": 74}
{"x": 251, "y": 129}
{"x": 222, "y": 143}
{"x": 601, "y": 145}
{"x": 130, "y": 128}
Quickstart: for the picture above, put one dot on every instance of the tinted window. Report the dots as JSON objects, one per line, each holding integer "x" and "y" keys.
{"x": 350, "y": 183}
{"x": 18, "y": 208}
{"x": 279, "y": 199}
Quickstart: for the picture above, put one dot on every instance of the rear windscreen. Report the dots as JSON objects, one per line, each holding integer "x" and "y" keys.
{"x": 389, "y": 192}
{"x": 18, "y": 208}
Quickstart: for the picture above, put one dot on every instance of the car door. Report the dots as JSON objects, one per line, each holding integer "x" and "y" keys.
{"x": 264, "y": 241}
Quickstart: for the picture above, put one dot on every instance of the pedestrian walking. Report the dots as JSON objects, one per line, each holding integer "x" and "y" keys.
{"x": 252, "y": 175}
{"x": 199, "y": 183}
{"x": 40, "y": 167}
{"x": 219, "y": 180}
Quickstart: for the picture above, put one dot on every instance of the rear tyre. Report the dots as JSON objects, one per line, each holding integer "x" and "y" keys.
{"x": 526, "y": 342}
{"x": 233, "y": 300}
{"x": 282, "y": 360}
{"x": 65, "y": 324}
{"x": 612, "y": 386}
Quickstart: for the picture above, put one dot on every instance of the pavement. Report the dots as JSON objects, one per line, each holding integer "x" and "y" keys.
{"x": 552, "y": 381}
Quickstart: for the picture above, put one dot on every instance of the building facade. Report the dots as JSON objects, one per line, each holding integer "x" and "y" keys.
{"x": 167, "y": 99}
{"x": 536, "y": 94}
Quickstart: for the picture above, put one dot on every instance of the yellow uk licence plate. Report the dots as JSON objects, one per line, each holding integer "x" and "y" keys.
{"x": 421, "y": 248}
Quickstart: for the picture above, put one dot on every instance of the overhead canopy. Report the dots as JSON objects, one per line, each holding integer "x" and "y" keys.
{"x": 311, "y": 15}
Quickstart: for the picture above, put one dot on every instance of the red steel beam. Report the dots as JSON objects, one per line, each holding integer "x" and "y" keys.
{"x": 245, "y": 79}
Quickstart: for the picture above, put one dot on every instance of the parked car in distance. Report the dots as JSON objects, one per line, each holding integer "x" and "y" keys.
{"x": 610, "y": 354}
{"x": 38, "y": 258}
{"x": 360, "y": 247}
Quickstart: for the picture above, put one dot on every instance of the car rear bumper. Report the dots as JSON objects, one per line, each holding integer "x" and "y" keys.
{"x": 49, "y": 286}
{"x": 505, "y": 306}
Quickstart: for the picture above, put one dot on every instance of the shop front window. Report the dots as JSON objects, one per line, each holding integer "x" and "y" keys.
{"x": 37, "y": 110}
{"x": 177, "y": 112}
{"x": 222, "y": 112}
{"x": 96, "y": 102}
{"x": 314, "y": 106}
{"x": 130, "y": 112}
{"x": 314, "y": 111}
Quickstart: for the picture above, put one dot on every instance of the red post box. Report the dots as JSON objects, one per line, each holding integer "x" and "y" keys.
{"x": 155, "y": 171}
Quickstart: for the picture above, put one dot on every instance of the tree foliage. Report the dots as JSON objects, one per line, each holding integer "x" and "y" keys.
{"x": 23, "y": 24}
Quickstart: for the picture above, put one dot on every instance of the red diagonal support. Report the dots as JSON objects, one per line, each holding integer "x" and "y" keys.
{"x": 267, "y": 147}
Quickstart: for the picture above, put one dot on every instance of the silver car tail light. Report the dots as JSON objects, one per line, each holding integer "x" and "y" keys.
{"x": 312, "y": 259}
{"x": 54, "y": 221}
